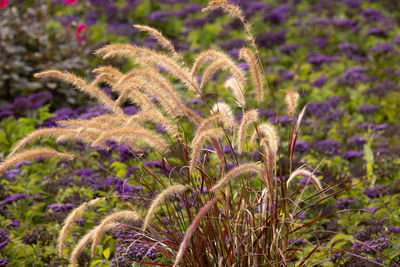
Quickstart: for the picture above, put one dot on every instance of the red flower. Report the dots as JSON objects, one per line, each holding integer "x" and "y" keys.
{"x": 71, "y": 2}
{"x": 80, "y": 28}
{"x": 3, "y": 3}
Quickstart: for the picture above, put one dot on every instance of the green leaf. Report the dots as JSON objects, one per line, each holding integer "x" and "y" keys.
{"x": 106, "y": 253}
{"x": 369, "y": 158}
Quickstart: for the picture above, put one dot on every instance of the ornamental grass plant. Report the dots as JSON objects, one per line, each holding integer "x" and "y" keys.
{"x": 230, "y": 197}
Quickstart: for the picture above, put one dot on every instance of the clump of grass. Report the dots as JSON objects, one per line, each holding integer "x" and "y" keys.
{"x": 222, "y": 225}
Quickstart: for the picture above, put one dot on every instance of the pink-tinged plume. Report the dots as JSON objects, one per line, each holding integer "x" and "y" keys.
{"x": 192, "y": 228}
{"x": 80, "y": 28}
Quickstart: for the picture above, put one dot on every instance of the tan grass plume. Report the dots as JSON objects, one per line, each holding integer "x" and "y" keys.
{"x": 160, "y": 198}
{"x": 248, "y": 118}
{"x": 32, "y": 154}
{"x": 269, "y": 132}
{"x": 237, "y": 90}
{"x": 81, "y": 85}
{"x": 291, "y": 99}
{"x": 70, "y": 220}
{"x": 255, "y": 72}
{"x": 115, "y": 217}
{"x": 41, "y": 133}
{"x": 214, "y": 133}
{"x": 248, "y": 167}
{"x": 85, "y": 240}
{"x": 307, "y": 174}
{"x": 164, "y": 42}
{"x": 147, "y": 136}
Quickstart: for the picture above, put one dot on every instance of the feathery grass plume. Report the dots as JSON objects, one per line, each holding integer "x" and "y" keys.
{"x": 164, "y": 42}
{"x": 247, "y": 167}
{"x": 100, "y": 123}
{"x": 214, "y": 56}
{"x": 109, "y": 70}
{"x": 84, "y": 241}
{"x": 70, "y": 220}
{"x": 173, "y": 189}
{"x": 269, "y": 131}
{"x": 165, "y": 86}
{"x": 136, "y": 97}
{"x": 291, "y": 99}
{"x": 31, "y": 154}
{"x": 104, "y": 78}
{"x": 147, "y": 136}
{"x": 154, "y": 116}
{"x": 81, "y": 85}
{"x": 249, "y": 117}
{"x": 115, "y": 217}
{"x": 308, "y": 174}
{"x": 169, "y": 64}
{"x": 138, "y": 83}
{"x": 247, "y": 55}
{"x": 237, "y": 90}
{"x": 235, "y": 12}
{"x": 269, "y": 158}
{"x": 192, "y": 228}
{"x": 41, "y": 133}
{"x": 198, "y": 143}
{"x": 217, "y": 117}
{"x": 225, "y": 109}
{"x": 225, "y": 66}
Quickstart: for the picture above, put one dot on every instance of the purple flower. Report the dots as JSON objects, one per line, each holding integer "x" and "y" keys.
{"x": 319, "y": 81}
{"x": 377, "y": 32}
{"x": 382, "y": 48}
{"x": 22, "y": 163}
{"x": 355, "y": 74}
{"x": 11, "y": 174}
{"x": 131, "y": 170}
{"x": 14, "y": 198}
{"x": 301, "y": 216}
{"x": 320, "y": 42}
{"x": 344, "y": 203}
{"x": 328, "y": 147}
{"x": 254, "y": 7}
{"x": 236, "y": 43}
{"x": 397, "y": 39}
{"x": 368, "y": 109}
{"x": 371, "y": 210}
{"x": 393, "y": 229}
{"x": 3, "y": 262}
{"x": 270, "y": 39}
{"x": 288, "y": 48}
{"x": 301, "y": 146}
{"x": 318, "y": 59}
{"x": 38, "y": 99}
{"x": 4, "y": 238}
{"x": 80, "y": 221}
{"x": 372, "y": 14}
{"x": 130, "y": 110}
{"x": 83, "y": 172}
{"x": 14, "y": 223}
{"x": 61, "y": 207}
{"x": 278, "y": 15}
{"x": 351, "y": 154}
{"x": 373, "y": 192}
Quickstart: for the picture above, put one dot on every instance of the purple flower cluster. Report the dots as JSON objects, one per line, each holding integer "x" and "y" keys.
{"x": 22, "y": 104}
{"x": 14, "y": 198}
{"x": 128, "y": 250}
{"x": 328, "y": 147}
{"x": 61, "y": 207}
{"x": 4, "y": 238}
{"x": 344, "y": 203}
